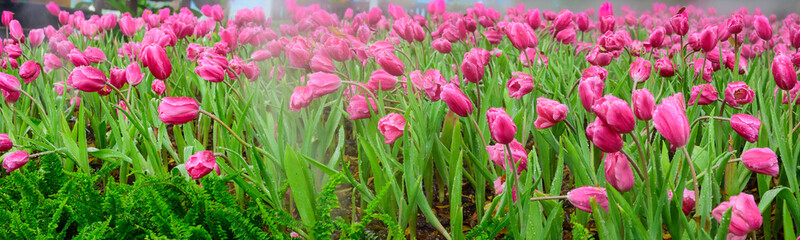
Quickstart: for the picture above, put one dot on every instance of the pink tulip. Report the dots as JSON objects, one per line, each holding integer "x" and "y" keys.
{"x": 442, "y": 45}
{"x": 550, "y": 112}
{"x": 745, "y": 215}
{"x": 563, "y": 20}
{"x": 381, "y": 80}
{"x": 606, "y": 9}
{"x": 10, "y": 97}
{"x": 391, "y": 127}
{"x": 783, "y": 71}
{"x": 665, "y": 67}
{"x": 615, "y": 113}
{"x": 51, "y": 62}
{"x": 670, "y": 120}
{"x": 15, "y": 161}
{"x": 521, "y": 36}
{"x": 5, "y": 143}
{"x": 618, "y": 171}
{"x": 500, "y": 185}
{"x": 29, "y": 71}
{"x": 735, "y": 24}
{"x": 582, "y": 20}
{"x": 680, "y": 23}
{"x": 703, "y": 94}
{"x": 15, "y": 30}
{"x": 519, "y": 85}
{"x": 53, "y": 8}
{"x": 738, "y": 93}
{"x": 747, "y": 126}
{"x": 708, "y": 39}
{"x": 77, "y": 58}
{"x": 599, "y": 58}
{"x": 657, "y": 37}
{"x": 497, "y": 153}
{"x": 321, "y": 63}
{"x": 35, "y": 37}
{"x": 94, "y": 55}
{"x": 589, "y": 90}
{"x": 582, "y": 198}
{"x": 643, "y": 104}
{"x": 301, "y": 97}
{"x": 501, "y": 126}
{"x": 603, "y": 137}
{"x": 689, "y": 200}
{"x": 178, "y": 110}
{"x": 154, "y": 57}
{"x": 391, "y": 63}
{"x": 705, "y": 66}
{"x": 640, "y": 70}
{"x": 201, "y": 164}
{"x": 531, "y": 57}
{"x": 762, "y": 27}
{"x": 607, "y": 23}
{"x": 359, "y": 108}
{"x": 338, "y": 49}
{"x": 761, "y": 160}
{"x": 472, "y": 67}
{"x": 595, "y": 71}
{"x": 532, "y": 18}
{"x": 322, "y": 84}
{"x": 730, "y": 60}
{"x": 456, "y": 100}
{"x": 133, "y": 74}
{"x": 87, "y": 79}
{"x": 210, "y": 72}
{"x": 158, "y": 87}
{"x": 117, "y": 77}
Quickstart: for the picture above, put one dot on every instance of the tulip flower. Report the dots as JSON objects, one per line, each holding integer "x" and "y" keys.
{"x": 301, "y": 97}
{"x": 582, "y": 198}
{"x": 391, "y": 127}
{"x": 210, "y": 72}
{"x": 703, "y": 94}
{"x": 500, "y": 185}
{"x": 783, "y": 71}
{"x": 708, "y": 39}
{"x": 595, "y": 71}
{"x": 550, "y": 112}
{"x": 442, "y": 45}
{"x": 607, "y": 23}
{"x": 563, "y": 20}
{"x": 381, "y": 80}
{"x": 603, "y": 137}
{"x": 15, "y": 160}
{"x": 745, "y": 214}
{"x": 519, "y": 85}
{"x": 680, "y": 23}
{"x": 338, "y": 49}
{"x": 657, "y": 37}
{"x": 501, "y": 126}
{"x": 735, "y": 24}
{"x": 87, "y": 79}
{"x": 29, "y": 71}
{"x": 94, "y": 55}
{"x": 322, "y": 84}
{"x": 53, "y": 8}
{"x": 154, "y": 57}
{"x": 747, "y": 126}
{"x": 158, "y": 87}
{"x": 117, "y": 77}
{"x": 521, "y": 36}
{"x": 762, "y": 27}
{"x": 359, "y": 108}
{"x": 531, "y": 57}
{"x": 456, "y": 100}
{"x": 5, "y": 143}
{"x": 201, "y": 164}
{"x": 533, "y": 18}
{"x": 35, "y": 37}
{"x": 77, "y": 58}
{"x": 589, "y": 90}
{"x": 615, "y": 113}
{"x": 618, "y": 171}
{"x": 738, "y": 93}
{"x": 640, "y": 70}
{"x": 497, "y": 153}
{"x": 665, "y": 67}
{"x": 321, "y": 63}
{"x": 599, "y": 58}
{"x": 582, "y": 21}
{"x": 761, "y": 160}
{"x": 643, "y": 104}
{"x": 178, "y": 110}
{"x": 472, "y": 67}
{"x": 671, "y": 122}
{"x": 391, "y": 64}
{"x": 15, "y": 30}
{"x": 75, "y": 102}
{"x": 133, "y": 74}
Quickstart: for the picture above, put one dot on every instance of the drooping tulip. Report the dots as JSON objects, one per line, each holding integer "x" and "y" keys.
{"x": 5, "y": 143}
{"x": 154, "y": 57}
{"x": 391, "y": 64}
{"x": 210, "y": 72}
{"x": 745, "y": 215}
{"x": 15, "y": 160}
{"x": 615, "y": 112}
{"x": 391, "y": 127}
{"x": 670, "y": 120}
{"x": 783, "y": 71}
{"x": 301, "y": 97}
{"x": 603, "y": 137}
{"x": 178, "y": 110}
{"x": 703, "y": 94}
{"x": 618, "y": 171}
{"x": 643, "y": 104}
{"x": 521, "y": 36}
{"x": 322, "y": 84}
{"x": 456, "y": 100}
{"x": 746, "y": 126}
{"x": 381, "y": 80}
{"x": 29, "y": 71}
{"x": 442, "y": 45}
{"x": 359, "y": 107}
{"x": 550, "y": 112}
{"x": 201, "y": 164}
{"x": 87, "y": 79}
{"x": 582, "y": 198}
{"x": 761, "y": 160}
{"x": 501, "y": 126}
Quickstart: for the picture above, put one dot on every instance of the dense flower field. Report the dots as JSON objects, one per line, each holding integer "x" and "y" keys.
{"x": 675, "y": 122}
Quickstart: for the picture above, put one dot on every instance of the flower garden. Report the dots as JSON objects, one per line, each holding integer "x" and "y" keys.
{"x": 673, "y": 122}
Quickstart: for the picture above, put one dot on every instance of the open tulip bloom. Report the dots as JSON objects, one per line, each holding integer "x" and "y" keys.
{"x": 637, "y": 122}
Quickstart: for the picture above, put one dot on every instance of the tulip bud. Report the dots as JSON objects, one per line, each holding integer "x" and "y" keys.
{"x": 155, "y": 58}
{"x": 178, "y": 110}
{"x": 381, "y": 80}
{"x": 643, "y": 104}
{"x": 442, "y": 45}
{"x": 640, "y": 70}
{"x": 615, "y": 113}
{"x": 5, "y": 143}
{"x": 521, "y": 36}
{"x": 519, "y": 85}
{"x": 550, "y": 112}
{"x": 657, "y": 37}
{"x": 87, "y": 79}
{"x": 603, "y": 137}
{"x": 391, "y": 63}
{"x": 738, "y": 93}
{"x": 472, "y": 67}
{"x": 322, "y": 84}
{"x": 745, "y": 214}
{"x": 582, "y": 20}
{"x": 708, "y": 39}
{"x": 77, "y": 58}
{"x": 784, "y": 73}
{"x": 456, "y": 100}
{"x": 15, "y": 30}
{"x": 670, "y": 120}
{"x": 746, "y": 126}
{"x": 391, "y": 127}
{"x": 735, "y": 24}
{"x": 497, "y": 153}
{"x": 582, "y": 198}
{"x": 680, "y": 23}
{"x": 301, "y": 97}
{"x": 762, "y": 27}
{"x": 501, "y": 126}
{"x": 15, "y": 160}
{"x": 158, "y": 87}
{"x": 201, "y": 164}
{"x": 358, "y": 108}
{"x": 703, "y": 94}
{"x": 688, "y": 202}
{"x": 761, "y": 160}
{"x": 35, "y": 37}
{"x": 563, "y": 20}
{"x": 665, "y": 67}
{"x": 595, "y": 71}
{"x": 589, "y": 90}
{"x": 533, "y": 19}
{"x": 29, "y": 71}
{"x": 618, "y": 171}
{"x": 7, "y": 17}
{"x": 321, "y": 63}
{"x": 607, "y": 23}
